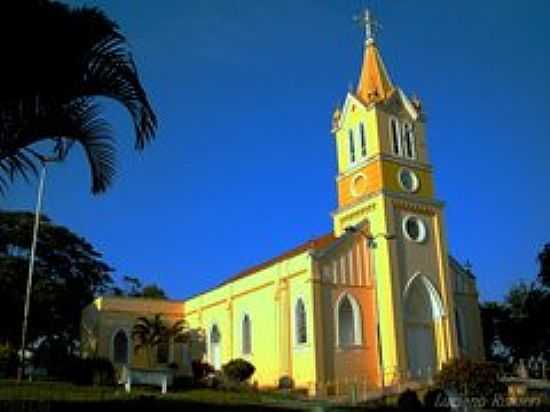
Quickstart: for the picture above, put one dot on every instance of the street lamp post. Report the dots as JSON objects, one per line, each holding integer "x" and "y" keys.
{"x": 371, "y": 244}
{"x": 40, "y": 194}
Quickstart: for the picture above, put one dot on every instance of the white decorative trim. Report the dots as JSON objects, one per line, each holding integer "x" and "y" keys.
{"x": 416, "y": 180}
{"x": 422, "y": 231}
{"x": 357, "y": 321}
{"x": 408, "y": 105}
{"x": 408, "y": 127}
{"x": 241, "y": 333}
{"x": 297, "y": 344}
{"x": 398, "y": 131}
{"x": 438, "y": 310}
{"x": 213, "y": 324}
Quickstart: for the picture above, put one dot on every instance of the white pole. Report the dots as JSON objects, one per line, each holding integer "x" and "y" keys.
{"x": 31, "y": 269}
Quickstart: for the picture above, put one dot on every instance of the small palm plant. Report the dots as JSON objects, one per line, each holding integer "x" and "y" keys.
{"x": 149, "y": 333}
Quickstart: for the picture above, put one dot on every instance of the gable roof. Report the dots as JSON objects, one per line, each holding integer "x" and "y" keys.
{"x": 314, "y": 244}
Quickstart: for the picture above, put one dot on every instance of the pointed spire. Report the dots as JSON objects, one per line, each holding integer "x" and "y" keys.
{"x": 374, "y": 84}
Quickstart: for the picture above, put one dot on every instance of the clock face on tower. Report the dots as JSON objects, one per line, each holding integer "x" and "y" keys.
{"x": 408, "y": 180}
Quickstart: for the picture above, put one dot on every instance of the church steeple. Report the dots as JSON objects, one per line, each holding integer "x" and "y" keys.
{"x": 374, "y": 83}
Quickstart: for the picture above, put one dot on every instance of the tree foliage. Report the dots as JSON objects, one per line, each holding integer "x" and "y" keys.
{"x": 519, "y": 326}
{"x": 476, "y": 379}
{"x": 69, "y": 272}
{"x": 56, "y": 62}
{"x": 543, "y": 259}
{"x": 149, "y": 333}
{"x": 132, "y": 287}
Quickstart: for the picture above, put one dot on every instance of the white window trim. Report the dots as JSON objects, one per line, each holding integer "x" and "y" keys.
{"x": 363, "y": 136}
{"x": 294, "y": 324}
{"x": 398, "y": 137}
{"x": 352, "y": 141}
{"x": 243, "y": 315}
{"x": 357, "y": 321}
{"x": 209, "y": 342}
{"x": 416, "y": 180}
{"x": 407, "y": 127}
{"x": 423, "y": 231}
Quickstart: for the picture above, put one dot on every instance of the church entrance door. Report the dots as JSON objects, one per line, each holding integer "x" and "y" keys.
{"x": 422, "y": 307}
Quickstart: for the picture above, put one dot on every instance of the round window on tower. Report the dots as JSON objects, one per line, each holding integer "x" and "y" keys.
{"x": 414, "y": 229}
{"x": 408, "y": 180}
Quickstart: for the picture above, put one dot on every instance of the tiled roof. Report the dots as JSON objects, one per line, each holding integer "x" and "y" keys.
{"x": 315, "y": 244}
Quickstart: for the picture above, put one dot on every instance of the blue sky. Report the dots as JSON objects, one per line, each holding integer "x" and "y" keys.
{"x": 243, "y": 165}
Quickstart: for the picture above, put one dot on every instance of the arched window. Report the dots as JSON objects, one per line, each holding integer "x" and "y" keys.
{"x": 215, "y": 347}
{"x": 300, "y": 322}
{"x": 246, "y": 336}
{"x": 120, "y": 347}
{"x": 363, "y": 140}
{"x": 395, "y": 136}
{"x": 349, "y": 321}
{"x": 351, "y": 147}
{"x": 408, "y": 141}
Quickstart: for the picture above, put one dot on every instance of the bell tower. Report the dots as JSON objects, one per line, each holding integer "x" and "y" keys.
{"x": 385, "y": 176}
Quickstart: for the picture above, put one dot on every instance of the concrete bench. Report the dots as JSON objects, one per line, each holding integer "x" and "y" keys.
{"x": 140, "y": 376}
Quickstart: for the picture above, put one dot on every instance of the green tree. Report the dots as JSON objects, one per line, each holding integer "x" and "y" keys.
{"x": 51, "y": 84}
{"x": 525, "y": 329}
{"x": 543, "y": 259}
{"x": 132, "y": 287}
{"x": 153, "y": 291}
{"x": 149, "y": 333}
{"x": 519, "y": 326}
{"x": 493, "y": 315}
{"x": 69, "y": 273}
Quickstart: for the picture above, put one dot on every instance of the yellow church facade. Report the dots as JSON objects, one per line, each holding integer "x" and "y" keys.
{"x": 378, "y": 300}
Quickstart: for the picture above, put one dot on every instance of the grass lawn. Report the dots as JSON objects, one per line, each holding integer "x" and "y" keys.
{"x": 10, "y": 390}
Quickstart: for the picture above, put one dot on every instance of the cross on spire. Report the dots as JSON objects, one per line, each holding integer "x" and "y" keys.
{"x": 370, "y": 23}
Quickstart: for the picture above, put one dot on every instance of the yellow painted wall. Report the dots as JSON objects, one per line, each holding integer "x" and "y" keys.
{"x": 268, "y": 297}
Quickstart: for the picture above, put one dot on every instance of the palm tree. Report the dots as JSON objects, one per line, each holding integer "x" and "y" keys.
{"x": 151, "y": 332}
{"x": 57, "y": 63}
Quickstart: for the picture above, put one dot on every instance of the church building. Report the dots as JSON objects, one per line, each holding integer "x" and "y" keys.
{"x": 378, "y": 299}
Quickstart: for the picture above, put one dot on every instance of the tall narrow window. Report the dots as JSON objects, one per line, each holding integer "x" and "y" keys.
{"x": 247, "y": 337}
{"x": 346, "y": 323}
{"x": 300, "y": 320}
{"x": 363, "y": 140}
{"x": 460, "y": 331}
{"x": 408, "y": 141}
{"x": 349, "y": 321}
{"x": 395, "y": 136}
{"x": 351, "y": 147}
{"x": 120, "y": 348}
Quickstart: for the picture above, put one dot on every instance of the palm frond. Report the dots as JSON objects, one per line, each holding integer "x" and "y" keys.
{"x": 81, "y": 55}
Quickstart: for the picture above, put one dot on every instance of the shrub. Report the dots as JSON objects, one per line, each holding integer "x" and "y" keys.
{"x": 92, "y": 371}
{"x": 470, "y": 378}
{"x": 183, "y": 382}
{"x": 238, "y": 370}
{"x": 8, "y": 360}
{"x": 201, "y": 370}
{"x": 286, "y": 382}
{"x": 408, "y": 401}
{"x": 436, "y": 400}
